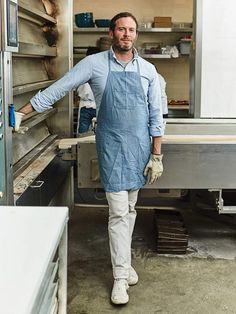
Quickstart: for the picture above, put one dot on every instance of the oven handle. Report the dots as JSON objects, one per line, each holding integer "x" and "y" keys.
{"x": 37, "y": 184}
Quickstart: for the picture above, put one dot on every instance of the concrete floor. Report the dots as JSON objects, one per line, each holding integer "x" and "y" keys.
{"x": 202, "y": 281}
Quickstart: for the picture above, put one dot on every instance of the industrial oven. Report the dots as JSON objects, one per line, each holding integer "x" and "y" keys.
{"x": 36, "y": 49}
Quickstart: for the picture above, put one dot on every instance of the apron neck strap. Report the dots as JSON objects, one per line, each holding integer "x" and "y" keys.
{"x": 109, "y": 61}
{"x": 138, "y": 66}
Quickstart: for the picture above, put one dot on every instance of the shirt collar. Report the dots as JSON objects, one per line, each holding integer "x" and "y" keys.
{"x": 112, "y": 53}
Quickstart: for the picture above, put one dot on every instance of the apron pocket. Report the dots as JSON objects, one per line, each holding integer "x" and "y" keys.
{"x": 120, "y": 101}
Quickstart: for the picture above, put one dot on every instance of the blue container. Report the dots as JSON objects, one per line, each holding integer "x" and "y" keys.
{"x": 12, "y": 120}
{"x": 102, "y": 23}
{"x": 84, "y": 19}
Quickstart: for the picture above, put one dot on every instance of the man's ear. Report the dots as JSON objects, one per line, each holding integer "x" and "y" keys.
{"x": 110, "y": 34}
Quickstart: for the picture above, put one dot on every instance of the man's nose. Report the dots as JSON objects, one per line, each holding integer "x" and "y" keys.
{"x": 127, "y": 32}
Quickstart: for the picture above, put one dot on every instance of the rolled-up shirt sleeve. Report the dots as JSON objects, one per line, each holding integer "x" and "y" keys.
{"x": 156, "y": 124}
{"x": 78, "y": 75}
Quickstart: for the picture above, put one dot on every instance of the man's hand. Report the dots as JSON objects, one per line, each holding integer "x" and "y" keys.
{"x": 18, "y": 128}
{"x": 154, "y": 168}
{"x": 28, "y": 108}
{"x": 18, "y": 118}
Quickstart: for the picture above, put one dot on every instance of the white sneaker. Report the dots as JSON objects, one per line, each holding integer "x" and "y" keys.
{"x": 133, "y": 277}
{"x": 119, "y": 293}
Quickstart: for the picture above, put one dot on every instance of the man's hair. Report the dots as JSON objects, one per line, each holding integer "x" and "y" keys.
{"x": 120, "y": 15}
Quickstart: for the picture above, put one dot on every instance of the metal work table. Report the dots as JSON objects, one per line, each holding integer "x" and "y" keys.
{"x": 194, "y": 161}
{"x": 33, "y": 262}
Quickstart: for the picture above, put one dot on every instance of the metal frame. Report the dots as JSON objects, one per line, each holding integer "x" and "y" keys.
{"x": 5, "y": 45}
{"x": 222, "y": 209}
{"x": 201, "y": 126}
{"x": 7, "y": 99}
{"x": 59, "y": 123}
{"x": 62, "y": 273}
{"x": 2, "y": 138}
{"x": 195, "y": 61}
{"x": 2, "y": 142}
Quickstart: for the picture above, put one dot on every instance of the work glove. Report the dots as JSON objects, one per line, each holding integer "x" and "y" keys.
{"x": 154, "y": 168}
{"x": 18, "y": 119}
{"x": 94, "y": 125}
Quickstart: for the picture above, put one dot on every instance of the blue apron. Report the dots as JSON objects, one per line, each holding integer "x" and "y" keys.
{"x": 122, "y": 134}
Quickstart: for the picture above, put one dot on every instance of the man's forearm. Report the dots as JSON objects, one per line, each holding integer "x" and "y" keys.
{"x": 156, "y": 145}
{"x": 28, "y": 108}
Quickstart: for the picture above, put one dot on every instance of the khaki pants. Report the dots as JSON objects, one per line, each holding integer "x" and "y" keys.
{"x": 122, "y": 215}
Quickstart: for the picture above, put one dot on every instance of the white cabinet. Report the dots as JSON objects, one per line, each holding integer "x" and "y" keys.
{"x": 33, "y": 264}
{"x": 215, "y": 75}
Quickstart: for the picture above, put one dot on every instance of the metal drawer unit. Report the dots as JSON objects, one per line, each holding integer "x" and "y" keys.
{"x": 35, "y": 282}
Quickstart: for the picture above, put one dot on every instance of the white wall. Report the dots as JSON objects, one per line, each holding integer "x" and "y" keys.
{"x": 218, "y": 76}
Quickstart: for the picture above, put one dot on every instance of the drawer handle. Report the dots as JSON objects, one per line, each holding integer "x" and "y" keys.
{"x": 37, "y": 184}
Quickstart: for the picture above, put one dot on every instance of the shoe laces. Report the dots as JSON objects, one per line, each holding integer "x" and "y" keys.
{"x": 120, "y": 284}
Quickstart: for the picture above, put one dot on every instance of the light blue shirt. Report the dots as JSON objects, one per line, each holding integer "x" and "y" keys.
{"x": 94, "y": 70}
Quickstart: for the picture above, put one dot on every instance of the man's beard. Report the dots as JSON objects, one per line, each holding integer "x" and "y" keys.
{"x": 122, "y": 48}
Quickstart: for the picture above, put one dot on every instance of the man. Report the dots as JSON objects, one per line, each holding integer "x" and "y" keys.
{"x": 163, "y": 96}
{"x": 128, "y": 98}
{"x": 87, "y": 108}
{"x": 87, "y": 104}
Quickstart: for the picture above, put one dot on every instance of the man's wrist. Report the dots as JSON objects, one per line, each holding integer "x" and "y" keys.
{"x": 28, "y": 108}
{"x": 156, "y": 157}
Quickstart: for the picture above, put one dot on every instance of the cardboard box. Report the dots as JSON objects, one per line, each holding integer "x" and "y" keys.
{"x": 161, "y": 25}
{"x": 163, "y": 19}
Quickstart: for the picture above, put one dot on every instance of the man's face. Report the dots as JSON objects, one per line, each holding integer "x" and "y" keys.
{"x": 124, "y": 35}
